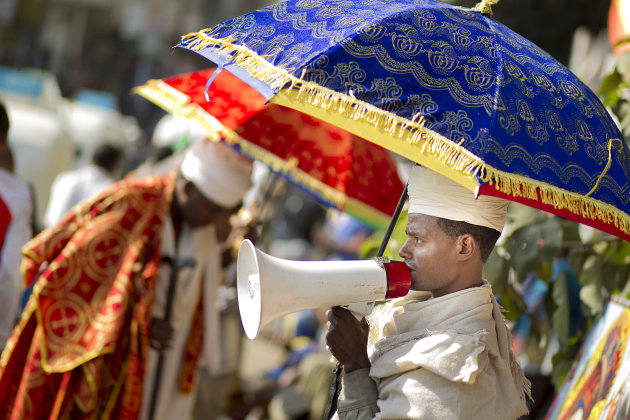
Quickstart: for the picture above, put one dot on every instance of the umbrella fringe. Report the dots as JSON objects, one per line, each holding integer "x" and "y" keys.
{"x": 316, "y": 95}
{"x": 517, "y": 186}
{"x": 413, "y": 132}
{"x": 256, "y": 65}
{"x": 587, "y": 208}
{"x": 466, "y": 163}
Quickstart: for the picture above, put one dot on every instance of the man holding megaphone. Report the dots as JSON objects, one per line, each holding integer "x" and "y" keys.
{"x": 442, "y": 351}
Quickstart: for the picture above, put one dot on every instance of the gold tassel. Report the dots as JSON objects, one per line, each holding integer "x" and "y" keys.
{"x": 599, "y": 179}
{"x": 485, "y": 7}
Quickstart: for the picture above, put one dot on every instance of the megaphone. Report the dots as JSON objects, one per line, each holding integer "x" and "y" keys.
{"x": 270, "y": 287}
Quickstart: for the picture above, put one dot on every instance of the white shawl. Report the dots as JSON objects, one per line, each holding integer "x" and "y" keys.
{"x": 446, "y": 357}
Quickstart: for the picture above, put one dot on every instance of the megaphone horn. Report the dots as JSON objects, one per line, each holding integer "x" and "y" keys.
{"x": 270, "y": 287}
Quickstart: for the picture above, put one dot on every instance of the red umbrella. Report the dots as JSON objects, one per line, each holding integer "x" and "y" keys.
{"x": 619, "y": 25}
{"x": 338, "y": 167}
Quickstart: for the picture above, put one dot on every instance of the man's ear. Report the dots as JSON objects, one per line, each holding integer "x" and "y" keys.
{"x": 466, "y": 246}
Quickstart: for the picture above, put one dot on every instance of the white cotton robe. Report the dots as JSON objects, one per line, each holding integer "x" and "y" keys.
{"x": 200, "y": 244}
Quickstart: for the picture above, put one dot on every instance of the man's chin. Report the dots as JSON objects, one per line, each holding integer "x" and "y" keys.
{"x": 416, "y": 284}
{"x": 416, "y": 287}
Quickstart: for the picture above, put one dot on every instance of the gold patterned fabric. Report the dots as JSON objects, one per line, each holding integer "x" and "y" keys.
{"x": 444, "y": 86}
{"x": 338, "y": 168}
{"x": 78, "y": 352}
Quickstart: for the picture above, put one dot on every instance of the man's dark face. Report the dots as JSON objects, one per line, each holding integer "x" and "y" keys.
{"x": 431, "y": 256}
{"x": 198, "y": 211}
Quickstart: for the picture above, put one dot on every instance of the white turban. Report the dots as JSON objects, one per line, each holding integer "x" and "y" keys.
{"x": 435, "y": 195}
{"x": 221, "y": 173}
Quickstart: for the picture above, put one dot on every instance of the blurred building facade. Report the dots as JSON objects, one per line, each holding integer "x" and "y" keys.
{"x": 109, "y": 45}
{"x": 114, "y": 45}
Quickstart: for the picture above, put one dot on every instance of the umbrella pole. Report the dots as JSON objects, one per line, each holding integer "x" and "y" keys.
{"x": 270, "y": 185}
{"x": 392, "y": 223}
{"x": 272, "y": 181}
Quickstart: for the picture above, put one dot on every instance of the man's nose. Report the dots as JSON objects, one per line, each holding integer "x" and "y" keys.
{"x": 402, "y": 252}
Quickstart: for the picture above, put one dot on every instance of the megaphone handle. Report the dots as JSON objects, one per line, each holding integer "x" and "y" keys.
{"x": 359, "y": 309}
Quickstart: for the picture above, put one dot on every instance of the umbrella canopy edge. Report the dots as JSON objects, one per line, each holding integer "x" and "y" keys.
{"x": 178, "y": 103}
{"x": 408, "y": 138}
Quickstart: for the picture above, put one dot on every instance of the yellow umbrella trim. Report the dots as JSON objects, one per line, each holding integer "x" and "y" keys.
{"x": 178, "y": 103}
{"x": 408, "y": 138}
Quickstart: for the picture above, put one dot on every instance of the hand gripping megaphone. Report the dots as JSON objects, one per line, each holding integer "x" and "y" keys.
{"x": 270, "y": 287}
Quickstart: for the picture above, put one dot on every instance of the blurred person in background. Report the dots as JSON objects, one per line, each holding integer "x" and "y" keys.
{"x": 342, "y": 235}
{"x": 118, "y": 265}
{"x": 307, "y": 373}
{"x": 72, "y": 187}
{"x": 15, "y": 231}
{"x": 171, "y": 135}
{"x": 294, "y": 221}
{"x": 6, "y": 154}
{"x": 297, "y": 387}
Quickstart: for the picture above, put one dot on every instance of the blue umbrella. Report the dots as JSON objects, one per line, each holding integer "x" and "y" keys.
{"x": 441, "y": 85}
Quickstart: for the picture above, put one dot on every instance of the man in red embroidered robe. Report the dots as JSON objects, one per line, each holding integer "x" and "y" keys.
{"x": 82, "y": 347}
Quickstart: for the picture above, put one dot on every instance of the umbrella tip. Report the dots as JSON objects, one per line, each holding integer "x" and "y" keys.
{"x": 485, "y": 6}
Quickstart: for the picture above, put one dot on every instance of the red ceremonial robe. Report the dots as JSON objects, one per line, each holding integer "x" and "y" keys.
{"x": 78, "y": 351}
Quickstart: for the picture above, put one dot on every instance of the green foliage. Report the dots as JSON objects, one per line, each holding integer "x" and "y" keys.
{"x": 581, "y": 268}
{"x": 531, "y": 246}
{"x": 615, "y": 93}
{"x": 563, "y": 359}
